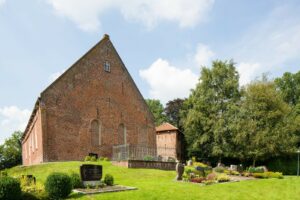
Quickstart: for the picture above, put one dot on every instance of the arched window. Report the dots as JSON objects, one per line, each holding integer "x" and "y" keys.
{"x": 143, "y": 135}
{"x": 122, "y": 134}
{"x": 96, "y": 133}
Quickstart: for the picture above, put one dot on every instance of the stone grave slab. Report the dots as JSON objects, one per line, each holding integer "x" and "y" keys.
{"x": 91, "y": 174}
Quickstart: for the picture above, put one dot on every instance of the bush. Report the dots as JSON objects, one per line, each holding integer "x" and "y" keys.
{"x": 58, "y": 185}
{"x": 211, "y": 176}
{"x": 109, "y": 180}
{"x": 219, "y": 169}
{"x": 232, "y": 172}
{"x": 198, "y": 180}
{"x": 76, "y": 180}
{"x": 246, "y": 174}
{"x": 256, "y": 170}
{"x": 268, "y": 175}
{"x": 274, "y": 175}
{"x": 223, "y": 178}
{"x": 32, "y": 191}
{"x": 209, "y": 182}
{"x": 106, "y": 159}
{"x": 93, "y": 159}
{"x": 287, "y": 164}
{"x": 259, "y": 175}
{"x": 200, "y": 164}
{"x": 3, "y": 173}
{"x": 87, "y": 158}
{"x": 100, "y": 158}
{"x": 10, "y": 189}
{"x": 148, "y": 158}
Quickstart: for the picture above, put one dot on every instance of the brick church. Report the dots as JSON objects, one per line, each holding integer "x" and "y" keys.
{"x": 90, "y": 108}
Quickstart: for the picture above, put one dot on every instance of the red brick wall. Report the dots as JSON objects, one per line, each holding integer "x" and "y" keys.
{"x": 32, "y": 144}
{"x": 86, "y": 93}
{"x": 166, "y": 143}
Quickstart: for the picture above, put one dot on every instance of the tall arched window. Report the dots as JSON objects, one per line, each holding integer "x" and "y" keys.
{"x": 96, "y": 133}
{"x": 143, "y": 135}
{"x": 122, "y": 134}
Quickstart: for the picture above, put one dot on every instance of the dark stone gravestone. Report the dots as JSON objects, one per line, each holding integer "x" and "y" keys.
{"x": 91, "y": 174}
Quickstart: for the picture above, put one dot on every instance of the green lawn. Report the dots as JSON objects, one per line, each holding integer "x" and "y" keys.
{"x": 160, "y": 185}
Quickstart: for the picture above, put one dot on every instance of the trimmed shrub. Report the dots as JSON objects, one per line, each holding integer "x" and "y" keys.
{"x": 76, "y": 180}
{"x": 58, "y": 185}
{"x": 223, "y": 178}
{"x": 87, "y": 158}
{"x": 10, "y": 189}
{"x": 109, "y": 180}
{"x": 219, "y": 169}
{"x": 93, "y": 159}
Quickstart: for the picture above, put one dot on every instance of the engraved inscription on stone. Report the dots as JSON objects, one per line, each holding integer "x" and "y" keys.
{"x": 91, "y": 172}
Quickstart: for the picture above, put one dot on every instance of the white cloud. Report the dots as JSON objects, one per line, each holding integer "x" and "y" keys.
{"x": 248, "y": 72}
{"x": 12, "y": 119}
{"x": 204, "y": 55}
{"x": 269, "y": 45}
{"x": 54, "y": 76}
{"x": 86, "y": 14}
{"x": 168, "y": 82}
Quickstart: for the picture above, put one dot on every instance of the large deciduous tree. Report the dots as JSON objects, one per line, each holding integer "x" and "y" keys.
{"x": 289, "y": 87}
{"x": 172, "y": 111}
{"x": 157, "y": 110}
{"x": 11, "y": 151}
{"x": 263, "y": 128}
{"x": 206, "y": 113}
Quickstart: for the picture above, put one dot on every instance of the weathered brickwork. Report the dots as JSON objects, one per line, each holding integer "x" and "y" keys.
{"x": 89, "y": 110}
{"x": 32, "y": 148}
{"x": 169, "y": 142}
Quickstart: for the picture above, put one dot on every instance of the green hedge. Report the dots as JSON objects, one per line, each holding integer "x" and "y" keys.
{"x": 287, "y": 165}
{"x": 10, "y": 189}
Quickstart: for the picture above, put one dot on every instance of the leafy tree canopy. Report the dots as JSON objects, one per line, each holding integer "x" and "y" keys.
{"x": 11, "y": 151}
{"x": 157, "y": 110}
{"x": 205, "y": 112}
{"x": 172, "y": 111}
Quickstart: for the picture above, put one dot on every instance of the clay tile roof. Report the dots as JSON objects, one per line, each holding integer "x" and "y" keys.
{"x": 166, "y": 127}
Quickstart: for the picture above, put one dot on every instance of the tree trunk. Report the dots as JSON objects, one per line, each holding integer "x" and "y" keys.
{"x": 253, "y": 164}
{"x": 220, "y": 160}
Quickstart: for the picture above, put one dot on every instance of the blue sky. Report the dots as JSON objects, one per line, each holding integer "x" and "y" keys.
{"x": 163, "y": 43}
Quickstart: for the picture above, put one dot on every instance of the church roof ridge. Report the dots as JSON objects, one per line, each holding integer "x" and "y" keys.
{"x": 35, "y": 108}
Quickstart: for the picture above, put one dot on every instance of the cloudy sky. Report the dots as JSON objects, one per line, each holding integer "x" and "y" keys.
{"x": 163, "y": 43}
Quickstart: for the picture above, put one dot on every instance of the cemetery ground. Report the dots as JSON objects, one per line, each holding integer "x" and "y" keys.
{"x": 160, "y": 184}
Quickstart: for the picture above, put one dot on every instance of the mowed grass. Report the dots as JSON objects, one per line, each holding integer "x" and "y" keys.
{"x": 160, "y": 185}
